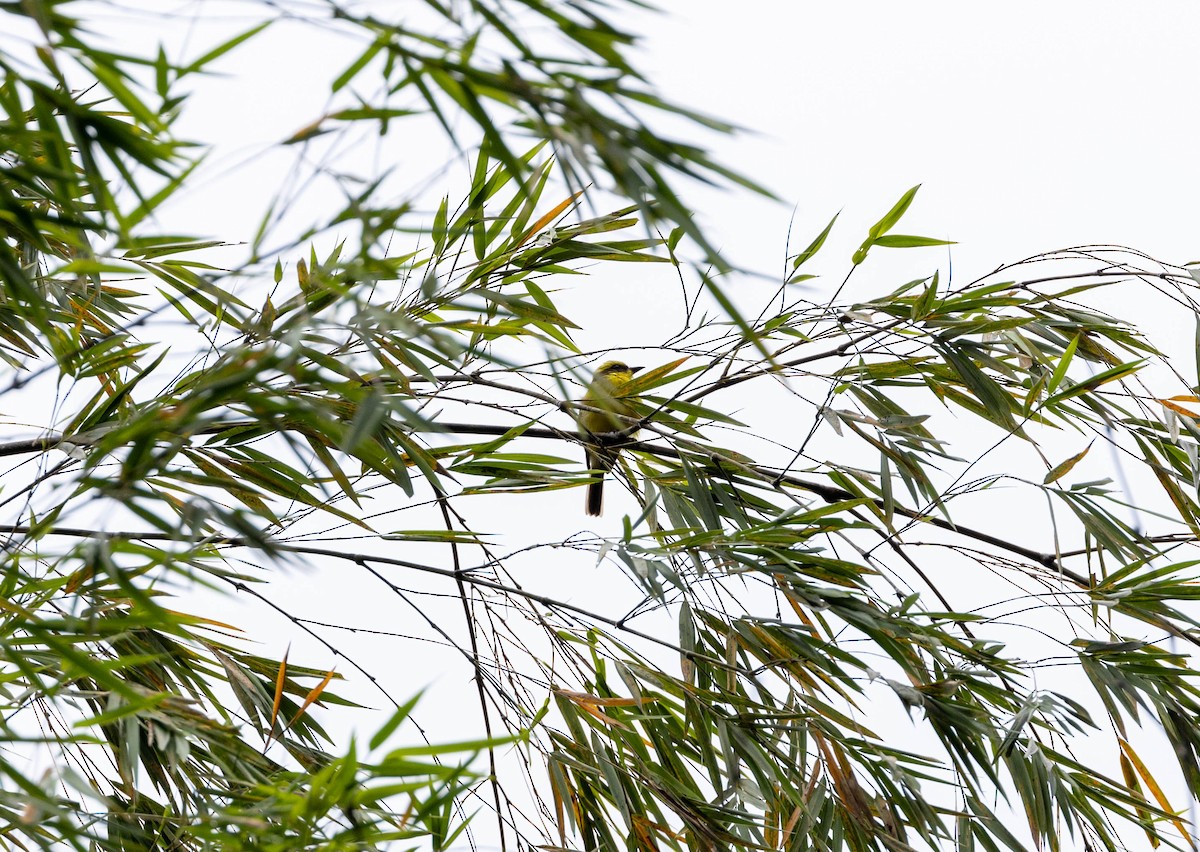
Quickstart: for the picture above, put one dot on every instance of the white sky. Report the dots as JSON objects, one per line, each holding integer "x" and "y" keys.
{"x": 1031, "y": 125}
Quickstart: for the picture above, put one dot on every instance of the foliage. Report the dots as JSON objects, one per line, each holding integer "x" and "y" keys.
{"x": 808, "y": 495}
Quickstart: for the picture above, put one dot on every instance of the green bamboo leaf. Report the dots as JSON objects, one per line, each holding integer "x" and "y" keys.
{"x": 995, "y": 402}
{"x": 441, "y": 233}
{"x": 894, "y": 215}
{"x": 1112, "y": 374}
{"x": 368, "y": 113}
{"x": 114, "y": 80}
{"x": 699, "y": 412}
{"x": 149, "y": 250}
{"x": 906, "y": 241}
{"x": 443, "y": 536}
{"x": 525, "y": 309}
{"x": 1064, "y": 363}
{"x": 884, "y": 225}
{"x": 355, "y": 67}
{"x": 221, "y": 49}
{"x": 924, "y": 304}
{"x": 813, "y": 247}
{"x": 402, "y": 755}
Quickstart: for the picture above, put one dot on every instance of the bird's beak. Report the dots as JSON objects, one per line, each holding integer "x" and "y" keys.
{"x": 634, "y": 369}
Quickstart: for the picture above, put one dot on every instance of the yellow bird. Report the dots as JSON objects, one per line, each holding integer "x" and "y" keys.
{"x": 607, "y": 393}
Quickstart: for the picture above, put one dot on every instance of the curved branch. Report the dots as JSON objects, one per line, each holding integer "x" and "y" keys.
{"x": 465, "y": 575}
{"x": 829, "y": 493}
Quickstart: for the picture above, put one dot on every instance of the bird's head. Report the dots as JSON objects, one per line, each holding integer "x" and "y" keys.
{"x": 617, "y": 373}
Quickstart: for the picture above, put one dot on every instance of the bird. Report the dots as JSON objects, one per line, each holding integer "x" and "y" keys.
{"x": 606, "y": 393}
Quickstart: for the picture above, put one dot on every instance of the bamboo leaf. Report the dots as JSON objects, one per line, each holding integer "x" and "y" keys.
{"x": 905, "y": 241}
{"x": 280, "y": 680}
{"x": 1064, "y": 467}
{"x": 221, "y": 49}
{"x": 813, "y": 247}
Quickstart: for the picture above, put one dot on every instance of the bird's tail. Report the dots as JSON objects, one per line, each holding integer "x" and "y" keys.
{"x": 600, "y": 463}
{"x": 595, "y": 498}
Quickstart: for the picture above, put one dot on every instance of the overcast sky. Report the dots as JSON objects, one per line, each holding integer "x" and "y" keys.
{"x": 1031, "y": 125}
